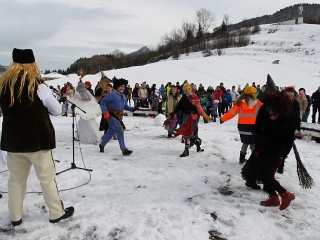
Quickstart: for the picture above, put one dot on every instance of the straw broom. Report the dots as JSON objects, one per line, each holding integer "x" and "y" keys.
{"x": 305, "y": 180}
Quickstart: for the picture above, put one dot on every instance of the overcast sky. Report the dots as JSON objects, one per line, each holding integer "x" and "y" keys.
{"x": 61, "y": 31}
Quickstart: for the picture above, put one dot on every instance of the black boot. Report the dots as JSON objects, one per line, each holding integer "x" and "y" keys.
{"x": 170, "y": 135}
{"x": 186, "y": 151}
{"x": 101, "y": 146}
{"x": 242, "y": 159}
{"x": 198, "y": 144}
{"x": 126, "y": 152}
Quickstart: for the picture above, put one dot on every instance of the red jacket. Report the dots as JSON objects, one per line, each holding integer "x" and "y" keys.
{"x": 217, "y": 94}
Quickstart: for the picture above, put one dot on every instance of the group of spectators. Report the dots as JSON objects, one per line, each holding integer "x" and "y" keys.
{"x": 219, "y": 99}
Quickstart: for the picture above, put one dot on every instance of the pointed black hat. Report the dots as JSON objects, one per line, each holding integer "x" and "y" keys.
{"x": 271, "y": 87}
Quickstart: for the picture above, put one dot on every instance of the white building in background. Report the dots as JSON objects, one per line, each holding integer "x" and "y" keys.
{"x": 298, "y": 20}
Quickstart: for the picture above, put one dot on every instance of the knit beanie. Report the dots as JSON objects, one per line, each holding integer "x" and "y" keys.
{"x": 249, "y": 90}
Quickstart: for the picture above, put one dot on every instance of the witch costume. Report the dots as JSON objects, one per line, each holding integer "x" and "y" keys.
{"x": 188, "y": 112}
{"x": 274, "y": 133}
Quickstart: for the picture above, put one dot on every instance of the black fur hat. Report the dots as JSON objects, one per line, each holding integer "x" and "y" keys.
{"x": 118, "y": 82}
{"x": 23, "y": 56}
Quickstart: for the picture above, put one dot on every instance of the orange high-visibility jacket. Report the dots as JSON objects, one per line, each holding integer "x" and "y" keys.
{"x": 246, "y": 115}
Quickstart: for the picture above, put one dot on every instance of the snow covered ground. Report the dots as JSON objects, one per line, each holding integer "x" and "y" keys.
{"x": 155, "y": 194}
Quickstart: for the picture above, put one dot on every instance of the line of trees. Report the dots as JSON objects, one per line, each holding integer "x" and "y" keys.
{"x": 201, "y": 34}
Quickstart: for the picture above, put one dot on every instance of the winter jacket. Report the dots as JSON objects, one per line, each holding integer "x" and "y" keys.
{"x": 172, "y": 102}
{"x": 247, "y": 114}
{"x": 234, "y": 95}
{"x": 246, "y": 119}
{"x": 116, "y": 101}
{"x": 143, "y": 93}
{"x": 227, "y": 98}
{"x": 135, "y": 92}
{"x": 316, "y": 99}
{"x": 303, "y": 102}
{"x": 158, "y": 96}
{"x": 309, "y": 103}
{"x": 217, "y": 94}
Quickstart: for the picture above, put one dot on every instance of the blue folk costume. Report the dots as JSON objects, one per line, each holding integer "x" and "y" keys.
{"x": 114, "y": 104}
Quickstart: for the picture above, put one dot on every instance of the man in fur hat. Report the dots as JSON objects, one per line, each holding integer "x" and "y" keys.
{"x": 112, "y": 107}
{"x": 28, "y": 135}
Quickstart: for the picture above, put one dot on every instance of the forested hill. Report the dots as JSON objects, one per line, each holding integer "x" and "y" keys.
{"x": 97, "y": 63}
{"x": 310, "y": 14}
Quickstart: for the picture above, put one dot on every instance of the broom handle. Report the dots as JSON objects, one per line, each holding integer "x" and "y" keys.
{"x": 296, "y": 153}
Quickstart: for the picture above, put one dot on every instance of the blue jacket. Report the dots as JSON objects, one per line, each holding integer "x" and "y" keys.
{"x": 116, "y": 101}
{"x": 227, "y": 98}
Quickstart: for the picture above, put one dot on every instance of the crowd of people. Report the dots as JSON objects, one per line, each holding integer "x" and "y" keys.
{"x": 267, "y": 119}
{"x": 255, "y": 106}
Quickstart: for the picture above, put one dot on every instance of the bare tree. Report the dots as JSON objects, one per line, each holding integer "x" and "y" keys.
{"x": 226, "y": 19}
{"x": 256, "y": 27}
{"x": 206, "y": 20}
{"x": 189, "y": 32}
{"x": 188, "y": 27}
{"x": 118, "y": 54}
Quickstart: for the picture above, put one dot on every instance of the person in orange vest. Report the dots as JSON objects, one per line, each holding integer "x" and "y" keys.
{"x": 246, "y": 106}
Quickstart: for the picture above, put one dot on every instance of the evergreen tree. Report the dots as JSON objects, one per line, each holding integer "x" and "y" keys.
{"x": 200, "y": 35}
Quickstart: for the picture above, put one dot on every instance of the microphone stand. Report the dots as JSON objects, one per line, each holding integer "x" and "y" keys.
{"x": 73, "y": 106}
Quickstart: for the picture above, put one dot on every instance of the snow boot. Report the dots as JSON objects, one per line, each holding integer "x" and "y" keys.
{"x": 272, "y": 201}
{"x": 253, "y": 185}
{"x": 286, "y": 199}
{"x": 126, "y": 152}
{"x": 198, "y": 144}
{"x": 242, "y": 159}
{"x": 65, "y": 114}
{"x": 101, "y": 146}
{"x": 186, "y": 151}
{"x": 170, "y": 135}
{"x": 16, "y": 223}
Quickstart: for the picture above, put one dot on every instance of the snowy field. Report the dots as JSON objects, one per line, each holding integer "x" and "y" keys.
{"x": 153, "y": 193}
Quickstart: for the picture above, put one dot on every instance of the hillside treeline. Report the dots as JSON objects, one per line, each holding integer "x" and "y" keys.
{"x": 193, "y": 36}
